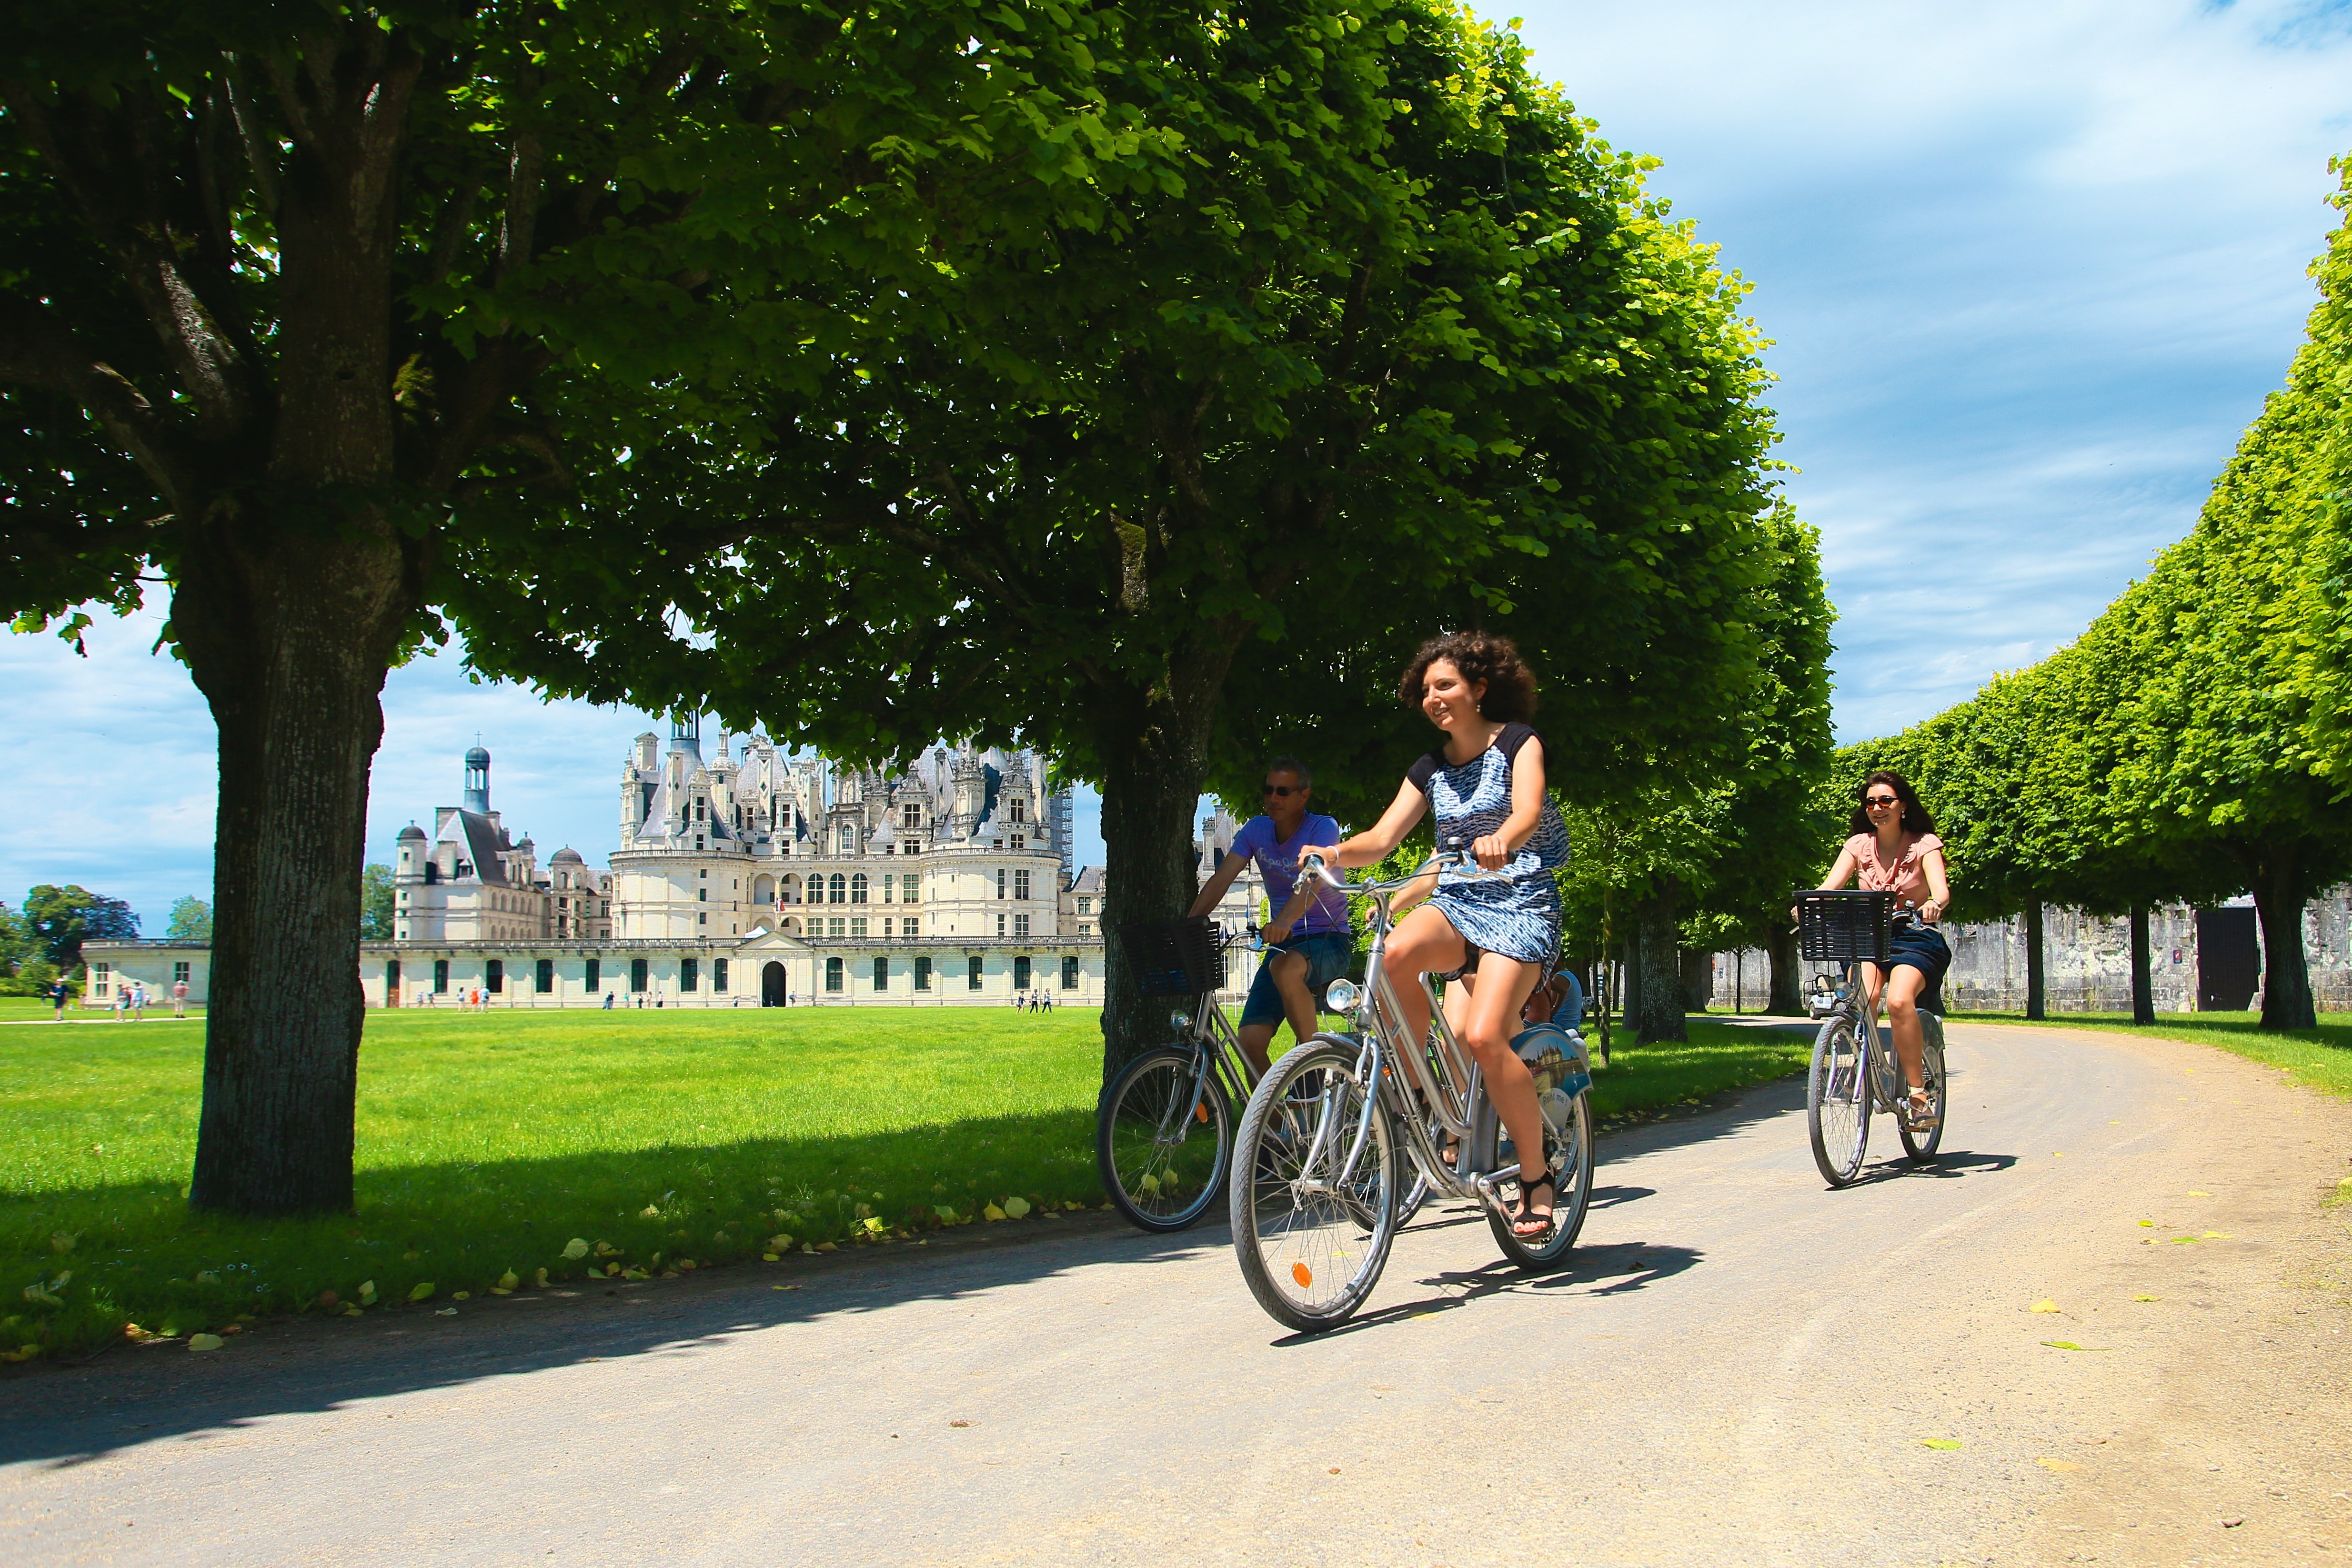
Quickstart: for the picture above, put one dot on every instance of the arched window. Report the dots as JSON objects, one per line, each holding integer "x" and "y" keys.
{"x": 840, "y": 889}
{"x": 857, "y": 888}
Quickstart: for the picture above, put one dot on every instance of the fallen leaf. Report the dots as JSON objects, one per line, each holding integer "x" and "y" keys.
{"x": 2060, "y": 1464}
{"x": 205, "y": 1342}
{"x": 991, "y": 1214}
{"x": 826, "y": 1246}
{"x": 2147, "y": 1225}
{"x": 353, "y": 1312}
{"x": 446, "y": 1312}
{"x": 780, "y": 1242}
{"x": 1016, "y": 1207}
{"x": 768, "y": 1257}
{"x": 2147, "y": 1298}
{"x": 2071, "y": 1345}
{"x": 539, "y": 1278}
{"x": 1939, "y": 1442}
{"x": 2217, "y": 1235}
{"x": 1334, "y": 1469}
{"x": 508, "y": 1281}
{"x": 461, "y": 1295}
{"x": 576, "y": 1248}
{"x": 958, "y": 1423}
{"x": 2197, "y": 1194}
{"x": 59, "y": 1241}
{"x": 421, "y": 1292}
{"x": 2045, "y": 1305}
{"x": 2234, "y": 1520}
{"x": 649, "y": 1212}
{"x": 783, "y": 1287}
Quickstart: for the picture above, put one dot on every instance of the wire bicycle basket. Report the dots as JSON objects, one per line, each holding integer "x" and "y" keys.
{"x": 1175, "y": 958}
{"x": 1846, "y": 926}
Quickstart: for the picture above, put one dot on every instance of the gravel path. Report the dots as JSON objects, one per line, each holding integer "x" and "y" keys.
{"x": 1738, "y": 1367}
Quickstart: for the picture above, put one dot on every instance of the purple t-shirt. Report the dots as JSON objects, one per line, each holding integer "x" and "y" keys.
{"x": 1277, "y": 862}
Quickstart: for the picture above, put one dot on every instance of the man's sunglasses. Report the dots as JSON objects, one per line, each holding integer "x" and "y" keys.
{"x": 1881, "y": 800}
{"x": 1286, "y": 791}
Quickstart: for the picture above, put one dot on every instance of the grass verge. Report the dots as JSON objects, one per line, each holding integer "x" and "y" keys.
{"x": 2321, "y": 1058}
{"x": 496, "y": 1150}
{"x": 580, "y": 1144}
{"x": 1643, "y": 1082}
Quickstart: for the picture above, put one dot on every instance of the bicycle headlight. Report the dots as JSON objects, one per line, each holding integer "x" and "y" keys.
{"x": 1179, "y": 1021}
{"x": 1344, "y": 997}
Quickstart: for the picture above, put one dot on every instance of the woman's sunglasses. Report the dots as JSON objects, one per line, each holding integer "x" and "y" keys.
{"x": 1881, "y": 800}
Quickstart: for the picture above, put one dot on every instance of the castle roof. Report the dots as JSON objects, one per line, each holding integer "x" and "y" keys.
{"x": 481, "y": 841}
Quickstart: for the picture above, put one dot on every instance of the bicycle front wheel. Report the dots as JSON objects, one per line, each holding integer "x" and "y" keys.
{"x": 1923, "y": 1145}
{"x": 1162, "y": 1158}
{"x": 1837, "y": 1102}
{"x": 1314, "y": 1213}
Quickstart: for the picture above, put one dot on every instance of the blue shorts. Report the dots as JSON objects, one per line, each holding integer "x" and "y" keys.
{"x": 1328, "y": 954}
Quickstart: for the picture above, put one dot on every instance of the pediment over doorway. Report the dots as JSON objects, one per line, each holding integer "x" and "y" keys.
{"x": 760, "y": 941}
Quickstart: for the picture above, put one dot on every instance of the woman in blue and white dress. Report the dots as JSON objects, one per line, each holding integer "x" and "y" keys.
{"x": 1486, "y": 786}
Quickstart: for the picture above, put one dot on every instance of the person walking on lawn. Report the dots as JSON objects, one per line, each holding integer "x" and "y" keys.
{"x": 1308, "y": 943}
{"x": 60, "y": 994}
{"x": 180, "y": 998}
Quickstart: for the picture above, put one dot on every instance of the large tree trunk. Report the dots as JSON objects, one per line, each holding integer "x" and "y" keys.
{"x": 1658, "y": 998}
{"x": 2143, "y": 982}
{"x": 1698, "y": 980}
{"x": 2276, "y": 881}
{"x": 1155, "y": 757}
{"x": 288, "y": 612}
{"x": 290, "y": 643}
{"x": 1788, "y": 988}
{"x": 2037, "y": 995}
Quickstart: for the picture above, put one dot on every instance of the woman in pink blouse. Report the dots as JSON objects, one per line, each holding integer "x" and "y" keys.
{"x": 1894, "y": 848}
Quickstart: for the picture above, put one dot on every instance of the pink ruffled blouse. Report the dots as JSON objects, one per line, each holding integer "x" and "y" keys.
{"x": 1904, "y": 876}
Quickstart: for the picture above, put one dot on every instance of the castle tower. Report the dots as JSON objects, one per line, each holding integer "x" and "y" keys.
{"x": 477, "y": 781}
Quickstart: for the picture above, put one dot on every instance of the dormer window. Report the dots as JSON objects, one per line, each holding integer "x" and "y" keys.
{"x": 1019, "y": 810}
{"x": 911, "y": 815}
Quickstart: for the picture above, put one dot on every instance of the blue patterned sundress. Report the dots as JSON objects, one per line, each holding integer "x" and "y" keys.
{"x": 1518, "y": 919}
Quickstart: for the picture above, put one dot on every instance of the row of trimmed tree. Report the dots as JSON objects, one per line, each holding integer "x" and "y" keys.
{"x": 1141, "y": 379}
{"x": 2193, "y": 741}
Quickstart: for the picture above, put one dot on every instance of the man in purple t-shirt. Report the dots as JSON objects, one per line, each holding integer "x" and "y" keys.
{"x": 1310, "y": 944}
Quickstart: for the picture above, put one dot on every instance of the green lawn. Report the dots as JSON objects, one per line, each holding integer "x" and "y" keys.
{"x": 649, "y": 1142}
{"x": 2321, "y": 1058}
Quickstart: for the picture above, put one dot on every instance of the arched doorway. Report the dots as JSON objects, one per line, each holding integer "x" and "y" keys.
{"x": 772, "y": 985}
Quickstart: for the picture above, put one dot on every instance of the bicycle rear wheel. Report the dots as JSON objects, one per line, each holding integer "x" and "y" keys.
{"x": 1837, "y": 1102}
{"x": 1923, "y": 1145}
{"x": 1568, "y": 1141}
{"x": 1163, "y": 1160}
{"x": 1310, "y": 1246}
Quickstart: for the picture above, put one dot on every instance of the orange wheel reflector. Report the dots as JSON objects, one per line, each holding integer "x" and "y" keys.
{"x": 1304, "y": 1275}
{"x": 1200, "y": 1114}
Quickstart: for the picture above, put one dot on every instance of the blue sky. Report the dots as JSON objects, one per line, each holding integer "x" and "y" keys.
{"x": 2030, "y": 268}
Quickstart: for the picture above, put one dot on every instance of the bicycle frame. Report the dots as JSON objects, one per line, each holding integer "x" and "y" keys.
{"x": 1452, "y": 1090}
{"x": 1884, "y": 1070}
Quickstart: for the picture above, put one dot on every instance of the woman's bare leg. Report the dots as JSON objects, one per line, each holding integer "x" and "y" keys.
{"x": 1504, "y": 985}
{"x": 1903, "y": 988}
{"x": 1424, "y": 942}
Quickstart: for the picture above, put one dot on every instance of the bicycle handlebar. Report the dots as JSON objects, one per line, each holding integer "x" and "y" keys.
{"x": 1312, "y": 865}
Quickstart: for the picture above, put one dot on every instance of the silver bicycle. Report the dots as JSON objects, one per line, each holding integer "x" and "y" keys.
{"x": 1855, "y": 1068}
{"x": 1340, "y": 1129}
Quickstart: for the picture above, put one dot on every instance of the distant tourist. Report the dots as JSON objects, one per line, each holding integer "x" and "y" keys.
{"x": 139, "y": 1000}
{"x": 60, "y": 994}
{"x": 608, "y": 1001}
{"x": 1049, "y": 1001}
{"x": 122, "y": 1002}
{"x": 179, "y": 998}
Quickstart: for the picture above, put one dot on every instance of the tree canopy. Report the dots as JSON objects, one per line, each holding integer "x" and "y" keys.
{"x": 1399, "y": 344}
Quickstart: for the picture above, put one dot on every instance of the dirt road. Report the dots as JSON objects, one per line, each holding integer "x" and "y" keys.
{"x": 1739, "y": 1367}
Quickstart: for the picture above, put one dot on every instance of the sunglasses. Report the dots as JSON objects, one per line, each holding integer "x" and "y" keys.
{"x": 1881, "y": 800}
{"x": 1286, "y": 791}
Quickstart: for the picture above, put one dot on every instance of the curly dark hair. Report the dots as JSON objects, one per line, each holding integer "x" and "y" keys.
{"x": 1914, "y": 815}
{"x": 1479, "y": 655}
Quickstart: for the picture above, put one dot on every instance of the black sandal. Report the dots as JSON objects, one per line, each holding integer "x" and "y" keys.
{"x": 1527, "y": 1216}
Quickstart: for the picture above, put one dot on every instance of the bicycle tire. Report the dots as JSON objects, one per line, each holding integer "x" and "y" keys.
{"x": 1837, "y": 1102}
{"x": 1922, "y": 1146}
{"x": 1570, "y": 1148}
{"x": 1312, "y": 1256}
{"x": 1156, "y": 1184}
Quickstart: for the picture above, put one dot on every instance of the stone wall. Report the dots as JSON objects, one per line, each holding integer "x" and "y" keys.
{"x": 2088, "y": 961}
